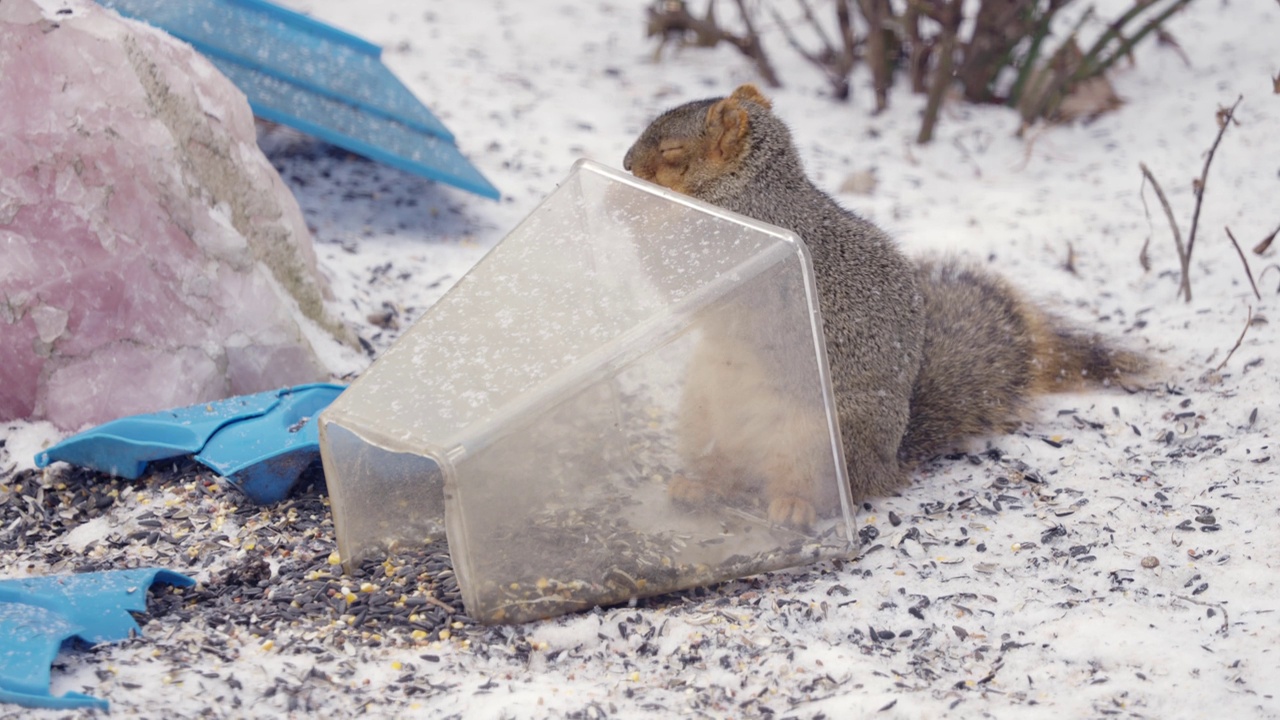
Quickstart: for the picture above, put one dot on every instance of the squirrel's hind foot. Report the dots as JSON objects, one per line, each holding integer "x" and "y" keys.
{"x": 792, "y": 511}
{"x": 688, "y": 492}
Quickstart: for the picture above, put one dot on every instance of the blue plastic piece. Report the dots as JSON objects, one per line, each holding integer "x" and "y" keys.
{"x": 311, "y": 76}
{"x": 256, "y": 453}
{"x": 261, "y": 443}
{"x": 124, "y": 447}
{"x": 37, "y": 615}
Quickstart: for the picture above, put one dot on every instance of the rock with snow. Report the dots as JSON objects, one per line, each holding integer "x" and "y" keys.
{"x": 150, "y": 256}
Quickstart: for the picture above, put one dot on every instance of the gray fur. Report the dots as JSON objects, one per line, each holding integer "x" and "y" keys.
{"x": 921, "y": 354}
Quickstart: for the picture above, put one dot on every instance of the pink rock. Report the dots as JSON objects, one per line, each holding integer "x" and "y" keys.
{"x": 150, "y": 256}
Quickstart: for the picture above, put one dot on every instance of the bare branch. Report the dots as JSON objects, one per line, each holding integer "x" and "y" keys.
{"x": 1184, "y": 257}
{"x": 813, "y": 58}
{"x": 817, "y": 26}
{"x": 751, "y": 47}
{"x": 948, "y": 15}
{"x": 1027, "y": 67}
{"x": 1248, "y": 273}
{"x": 1225, "y": 117}
{"x": 880, "y": 38}
{"x": 1248, "y": 321}
{"x": 1263, "y": 275}
{"x": 918, "y": 59}
{"x": 1094, "y": 66}
{"x": 836, "y": 64}
{"x": 674, "y": 19}
{"x": 849, "y": 48}
{"x": 1114, "y": 28}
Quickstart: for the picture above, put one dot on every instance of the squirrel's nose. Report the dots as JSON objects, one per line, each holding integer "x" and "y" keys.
{"x": 626, "y": 160}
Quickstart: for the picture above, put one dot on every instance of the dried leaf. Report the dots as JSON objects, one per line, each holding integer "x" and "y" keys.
{"x": 1266, "y": 242}
{"x": 1227, "y": 114}
{"x": 1088, "y": 99}
{"x": 1166, "y": 38}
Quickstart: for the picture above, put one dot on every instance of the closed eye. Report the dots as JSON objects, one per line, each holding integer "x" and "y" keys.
{"x": 670, "y": 152}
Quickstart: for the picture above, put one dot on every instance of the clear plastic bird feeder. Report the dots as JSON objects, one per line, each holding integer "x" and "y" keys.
{"x": 627, "y": 396}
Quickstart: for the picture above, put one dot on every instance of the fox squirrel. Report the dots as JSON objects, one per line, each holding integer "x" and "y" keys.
{"x": 922, "y": 353}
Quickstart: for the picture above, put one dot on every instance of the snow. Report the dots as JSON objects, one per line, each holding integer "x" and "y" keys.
{"x": 23, "y": 441}
{"x": 1007, "y": 614}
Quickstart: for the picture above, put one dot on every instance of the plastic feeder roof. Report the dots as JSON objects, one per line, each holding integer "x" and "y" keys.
{"x": 548, "y": 413}
{"x": 299, "y": 72}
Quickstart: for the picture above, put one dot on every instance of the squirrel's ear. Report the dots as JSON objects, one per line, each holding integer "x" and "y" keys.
{"x": 751, "y": 93}
{"x": 727, "y": 125}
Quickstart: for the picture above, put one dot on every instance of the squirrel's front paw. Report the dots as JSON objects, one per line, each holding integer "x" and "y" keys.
{"x": 792, "y": 511}
{"x": 685, "y": 491}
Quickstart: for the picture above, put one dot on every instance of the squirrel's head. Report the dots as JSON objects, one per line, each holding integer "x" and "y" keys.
{"x": 698, "y": 147}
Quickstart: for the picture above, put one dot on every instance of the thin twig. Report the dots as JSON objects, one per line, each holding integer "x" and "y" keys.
{"x": 1144, "y": 257}
{"x": 441, "y": 604}
{"x": 815, "y": 59}
{"x": 752, "y": 48}
{"x": 1114, "y": 28}
{"x": 1127, "y": 44}
{"x": 1263, "y": 275}
{"x": 1221, "y": 608}
{"x": 1029, "y": 59}
{"x": 835, "y": 64}
{"x": 1248, "y": 321}
{"x": 1184, "y": 257}
{"x": 1051, "y": 82}
{"x": 1248, "y": 273}
{"x": 666, "y": 21}
{"x": 817, "y": 26}
{"x": 793, "y": 41}
{"x": 1224, "y": 119}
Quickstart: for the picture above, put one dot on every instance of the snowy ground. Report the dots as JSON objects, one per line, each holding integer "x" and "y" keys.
{"x": 1118, "y": 556}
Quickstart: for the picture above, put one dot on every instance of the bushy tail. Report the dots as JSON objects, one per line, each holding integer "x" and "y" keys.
{"x": 987, "y": 351}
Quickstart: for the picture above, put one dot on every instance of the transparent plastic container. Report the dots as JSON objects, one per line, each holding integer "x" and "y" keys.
{"x": 628, "y": 395}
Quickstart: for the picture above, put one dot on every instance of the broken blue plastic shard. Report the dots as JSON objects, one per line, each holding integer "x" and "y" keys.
{"x": 38, "y": 615}
{"x": 261, "y": 443}
{"x": 311, "y": 76}
{"x": 256, "y": 453}
{"x": 124, "y": 447}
